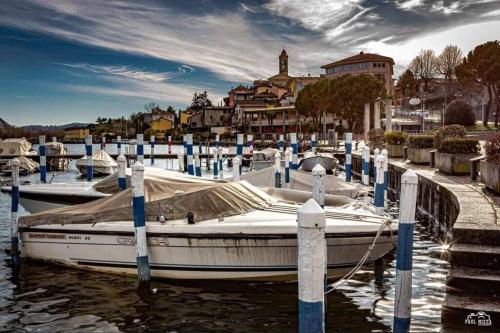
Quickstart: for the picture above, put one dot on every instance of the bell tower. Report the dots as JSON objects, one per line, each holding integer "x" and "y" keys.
{"x": 283, "y": 63}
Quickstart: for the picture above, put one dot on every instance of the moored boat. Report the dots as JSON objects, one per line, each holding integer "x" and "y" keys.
{"x": 103, "y": 164}
{"x": 310, "y": 160}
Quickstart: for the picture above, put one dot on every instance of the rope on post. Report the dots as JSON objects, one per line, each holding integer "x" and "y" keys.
{"x": 348, "y": 157}
{"x": 295, "y": 151}
{"x": 152, "y": 143}
{"x": 119, "y": 144}
{"x": 140, "y": 148}
{"x": 404, "y": 252}
{"x": 43, "y": 158}
{"x": 236, "y": 169}
{"x": 14, "y": 223}
{"x": 319, "y": 173}
{"x": 287, "y": 167}
{"x": 385, "y": 153}
{"x": 122, "y": 165}
{"x": 311, "y": 267}
{"x": 197, "y": 164}
{"x": 189, "y": 147}
{"x": 88, "y": 152}
{"x": 141, "y": 245}
{"x": 379, "y": 184}
{"x": 277, "y": 170}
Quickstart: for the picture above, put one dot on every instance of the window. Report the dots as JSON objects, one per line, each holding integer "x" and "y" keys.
{"x": 383, "y": 65}
{"x": 374, "y": 64}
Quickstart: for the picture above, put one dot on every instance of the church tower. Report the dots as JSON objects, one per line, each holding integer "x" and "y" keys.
{"x": 283, "y": 63}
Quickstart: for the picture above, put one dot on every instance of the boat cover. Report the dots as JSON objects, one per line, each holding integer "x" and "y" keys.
{"x": 26, "y": 164}
{"x": 171, "y": 197}
{"x": 100, "y": 158}
{"x": 269, "y": 153}
{"x": 14, "y": 147}
{"x": 55, "y": 148}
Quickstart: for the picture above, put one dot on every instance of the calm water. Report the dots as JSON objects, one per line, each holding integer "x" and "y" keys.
{"x": 47, "y": 298}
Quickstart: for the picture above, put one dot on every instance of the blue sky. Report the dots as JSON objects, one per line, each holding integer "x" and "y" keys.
{"x": 74, "y": 60}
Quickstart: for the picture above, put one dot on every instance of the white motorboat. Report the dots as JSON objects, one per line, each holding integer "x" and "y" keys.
{"x": 311, "y": 159}
{"x": 236, "y": 232}
{"x": 103, "y": 164}
{"x": 263, "y": 158}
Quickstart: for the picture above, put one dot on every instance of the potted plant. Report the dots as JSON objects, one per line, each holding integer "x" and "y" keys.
{"x": 395, "y": 142}
{"x": 376, "y": 139}
{"x": 419, "y": 148}
{"x": 454, "y": 155}
{"x": 490, "y": 168}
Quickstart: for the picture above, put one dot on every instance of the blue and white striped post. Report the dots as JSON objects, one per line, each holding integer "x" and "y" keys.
{"x": 236, "y": 169}
{"x": 250, "y": 143}
{"x": 14, "y": 224}
{"x": 287, "y": 167}
{"x": 376, "y": 152}
{"x": 141, "y": 244}
{"x": 379, "y": 184}
{"x": 184, "y": 146}
{"x": 366, "y": 165}
{"x": 88, "y": 152}
{"x": 348, "y": 157}
{"x": 122, "y": 165}
{"x": 239, "y": 149}
{"x": 216, "y": 163}
{"x": 197, "y": 164}
{"x": 169, "y": 144}
{"x": 281, "y": 143}
{"x": 140, "y": 148}
{"x": 404, "y": 252}
{"x": 189, "y": 146}
{"x": 311, "y": 267}
{"x": 319, "y": 173}
{"x": 385, "y": 153}
{"x": 221, "y": 166}
{"x": 277, "y": 170}
{"x": 295, "y": 151}
{"x": 119, "y": 144}
{"x": 152, "y": 144}
{"x": 43, "y": 158}
{"x": 217, "y": 141}
{"x": 313, "y": 143}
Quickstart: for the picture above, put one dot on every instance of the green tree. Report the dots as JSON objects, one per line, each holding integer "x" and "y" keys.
{"x": 314, "y": 100}
{"x": 407, "y": 84}
{"x": 200, "y": 101}
{"x": 460, "y": 113}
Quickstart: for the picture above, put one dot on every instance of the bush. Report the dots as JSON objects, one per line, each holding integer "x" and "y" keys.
{"x": 459, "y": 146}
{"x": 376, "y": 135}
{"x": 492, "y": 149}
{"x": 421, "y": 141}
{"x": 459, "y": 112}
{"x": 448, "y": 132}
{"x": 396, "y": 138}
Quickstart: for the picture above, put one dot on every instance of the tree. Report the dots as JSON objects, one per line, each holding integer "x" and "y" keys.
{"x": 447, "y": 61}
{"x": 424, "y": 66}
{"x": 407, "y": 83}
{"x": 482, "y": 66}
{"x": 200, "y": 101}
{"x": 270, "y": 115}
{"x": 460, "y": 113}
{"x": 150, "y": 107}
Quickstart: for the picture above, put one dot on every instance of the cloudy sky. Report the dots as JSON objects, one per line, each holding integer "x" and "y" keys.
{"x": 74, "y": 60}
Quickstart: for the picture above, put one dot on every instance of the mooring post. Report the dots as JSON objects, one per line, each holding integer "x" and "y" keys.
{"x": 404, "y": 252}
{"x": 122, "y": 165}
{"x": 239, "y": 150}
{"x": 348, "y": 157}
{"x": 189, "y": 146}
{"x": 295, "y": 151}
{"x": 140, "y": 148}
{"x": 376, "y": 152}
{"x": 217, "y": 141}
{"x": 14, "y": 226}
{"x": 405, "y": 153}
{"x": 43, "y": 158}
{"x": 379, "y": 184}
{"x": 221, "y": 166}
{"x": 184, "y": 148}
{"x": 366, "y": 166}
{"x": 313, "y": 143}
{"x": 103, "y": 142}
{"x": 152, "y": 144}
{"x": 216, "y": 163}
{"x": 54, "y": 139}
{"x": 169, "y": 145}
{"x": 197, "y": 164}
{"x": 119, "y": 144}
{"x": 88, "y": 152}
{"x": 236, "y": 169}
{"x": 250, "y": 143}
{"x": 277, "y": 170}
{"x": 319, "y": 173}
{"x": 287, "y": 167}
{"x": 281, "y": 143}
{"x": 385, "y": 153}
{"x": 141, "y": 244}
{"x": 311, "y": 267}
{"x": 180, "y": 160}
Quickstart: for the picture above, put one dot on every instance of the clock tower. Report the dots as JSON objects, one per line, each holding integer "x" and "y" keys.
{"x": 283, "y": 63}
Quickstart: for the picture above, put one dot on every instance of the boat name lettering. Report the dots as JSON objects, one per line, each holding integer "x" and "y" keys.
{"x": 152, "y": 241}
{"x": 47, "y": 236}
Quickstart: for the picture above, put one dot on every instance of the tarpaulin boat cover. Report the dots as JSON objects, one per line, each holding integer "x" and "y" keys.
{"x": 55, "y": 148}
{"x": 25, "y": 163}
{"x": 172, "y": 198}
{"x": 100, "y": 158}
{"x": 14, "y": 147}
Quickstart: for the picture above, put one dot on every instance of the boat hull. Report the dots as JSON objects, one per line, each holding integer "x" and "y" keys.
{"x": 308, "y": 163}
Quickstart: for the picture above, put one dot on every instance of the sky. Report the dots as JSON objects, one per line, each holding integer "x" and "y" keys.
{"x": 64, "y": 61}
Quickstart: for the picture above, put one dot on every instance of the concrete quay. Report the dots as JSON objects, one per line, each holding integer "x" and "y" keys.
{"x": 467, "y": 215}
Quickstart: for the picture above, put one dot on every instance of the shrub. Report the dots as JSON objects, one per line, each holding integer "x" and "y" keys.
{"x": 448, "y": 132}
{"x": 376, "y": 135}
{"x": 396, "y": 138}
{"x": 492, "y": 149}
{"x": 421, "y": 141}
{"x": 459, "y": 112}
{"x": 459, "y": 146}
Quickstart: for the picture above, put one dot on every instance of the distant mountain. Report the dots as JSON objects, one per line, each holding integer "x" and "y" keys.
{"x": 51, "y": 128}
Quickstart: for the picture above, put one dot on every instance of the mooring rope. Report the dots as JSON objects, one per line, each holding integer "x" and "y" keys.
{"x": 333, "y": 286}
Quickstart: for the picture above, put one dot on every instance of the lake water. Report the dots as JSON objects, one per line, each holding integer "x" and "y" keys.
{"x": 48, "y": 298}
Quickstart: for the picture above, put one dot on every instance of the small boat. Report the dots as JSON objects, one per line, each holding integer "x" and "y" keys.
{"x": 16, "y": 147}
{"x": 326, "y": 160}
{"x": 26, "y": 166}
{"x": 103, "y": 164}
{"x": 263, "y": 158}
{"x": 192, "y": 234}
{"x": 56, "y": 156}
